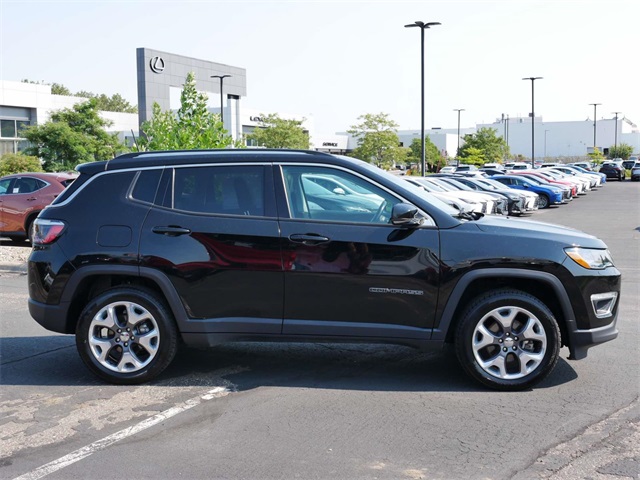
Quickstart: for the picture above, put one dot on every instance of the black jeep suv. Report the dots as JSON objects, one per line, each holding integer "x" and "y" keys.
{"x": 205, "y": 247}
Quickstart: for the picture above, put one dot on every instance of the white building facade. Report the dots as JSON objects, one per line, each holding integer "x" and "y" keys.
{"x": 26, "y": 104}
{"x": 569, "y": 139}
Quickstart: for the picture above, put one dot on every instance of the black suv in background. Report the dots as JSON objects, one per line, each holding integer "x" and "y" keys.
{"x": 613, "y": 170}
{"x": 214, "y": 246}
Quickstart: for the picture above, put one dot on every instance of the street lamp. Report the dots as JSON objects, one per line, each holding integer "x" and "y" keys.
{"x": 595, "y": 105}
{"x": 458, "y": 150}
{"x": 616, "y": 137}
{"x": 533, "y": 117}
{"x": 221, "y": 77}
{"x": 422, "y": 26}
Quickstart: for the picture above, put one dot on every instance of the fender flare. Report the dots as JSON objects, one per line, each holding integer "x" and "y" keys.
{"x": 447, "y": 318}
{"x": 160, "y": 279}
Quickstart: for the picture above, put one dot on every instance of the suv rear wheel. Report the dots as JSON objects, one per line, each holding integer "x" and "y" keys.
{"x": 126, "y": 336}
{"x": 508, "y": 340}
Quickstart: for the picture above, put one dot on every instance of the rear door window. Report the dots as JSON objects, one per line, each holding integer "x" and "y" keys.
{"x": 27, "y": 185}
{"x": 224, "y": 190}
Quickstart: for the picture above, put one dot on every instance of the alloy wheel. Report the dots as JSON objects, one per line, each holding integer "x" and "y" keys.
{"x": 509, "y": 343}
{"x": 124, "y": 337}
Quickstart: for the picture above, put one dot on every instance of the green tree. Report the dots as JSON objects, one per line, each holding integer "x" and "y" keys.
{"x": 276, "y": 132}
{"x": 494, "y": 148}
{"x": 623, "y": 151}
{"x": 192, "y": 127}
{"x": 59, "y": 89}
{"x": 114, "y": 103}
{"x": 473, "y": 156}
{"x": 378, "y": 142}
{"x": 73, "y": 136}
{"x": 431, "y": 153}
{"x": 596, "y": 156}
{"x": 18, "y": 163}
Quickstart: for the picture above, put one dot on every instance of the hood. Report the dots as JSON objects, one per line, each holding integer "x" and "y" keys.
{"x": 508, "y": 226}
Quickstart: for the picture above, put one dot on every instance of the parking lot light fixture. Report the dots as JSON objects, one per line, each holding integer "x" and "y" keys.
{"x": 533, "y": 117}
{"x": 221, "y": 77}
{"x": 422, "y": 26}
{"x": 458, "y": 150}
{"x": 595, "y": 106}
{"x": 615, "y": 144}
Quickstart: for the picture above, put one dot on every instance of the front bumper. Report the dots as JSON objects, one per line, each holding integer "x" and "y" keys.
{"x": 582, "y": 340}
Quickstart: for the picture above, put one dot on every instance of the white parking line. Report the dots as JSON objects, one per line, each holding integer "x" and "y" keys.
{"x": 103, "y": 443}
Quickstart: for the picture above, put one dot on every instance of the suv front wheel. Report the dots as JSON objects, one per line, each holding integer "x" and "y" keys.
{"x": 126, "y": 336}
{"x": 508, "y": 340}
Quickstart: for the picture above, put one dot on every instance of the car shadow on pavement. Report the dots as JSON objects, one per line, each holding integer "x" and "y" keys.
{"x": 54, "y": 360}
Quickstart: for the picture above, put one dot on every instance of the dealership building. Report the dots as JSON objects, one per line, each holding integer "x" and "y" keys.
{"x": 161, "y": 75}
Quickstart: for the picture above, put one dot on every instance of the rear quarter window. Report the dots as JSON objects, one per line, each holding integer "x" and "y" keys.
{"x": 71, "y": 187}
{"x": 146, "y": 185}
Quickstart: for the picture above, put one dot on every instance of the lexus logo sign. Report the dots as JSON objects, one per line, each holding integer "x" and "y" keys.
{"x": 157, "y": 65}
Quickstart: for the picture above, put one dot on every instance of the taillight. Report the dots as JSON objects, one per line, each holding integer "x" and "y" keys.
{"x": 47, "y": 231}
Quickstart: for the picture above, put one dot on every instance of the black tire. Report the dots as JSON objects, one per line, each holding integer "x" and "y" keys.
{"x": 532, "y": 348}
{"x": 543, "y": 201}
{"x": 28, "y": 227}
{"x": 18, "y": 240}
{"x": 121, "y": 356}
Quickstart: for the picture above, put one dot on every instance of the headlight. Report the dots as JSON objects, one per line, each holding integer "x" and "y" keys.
{"x": 590, "y": 258}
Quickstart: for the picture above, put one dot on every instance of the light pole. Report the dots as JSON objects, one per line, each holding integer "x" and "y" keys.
{"x": 507, "y": 129}
{"x": 616, "y": 137}
{"x": 221, "y": 77}
{"x": 458, "y": 150}
{"x": 533, "y": 117}
{"x": 422, "y": 26}
{"x": 595, "y": 106}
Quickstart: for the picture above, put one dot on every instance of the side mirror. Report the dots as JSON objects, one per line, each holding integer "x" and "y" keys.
{"x": 405, "y": 215}
{"x": 339, "y": 191}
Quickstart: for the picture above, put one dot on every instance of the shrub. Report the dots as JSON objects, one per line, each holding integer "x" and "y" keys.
{"x": 18, "y": 163}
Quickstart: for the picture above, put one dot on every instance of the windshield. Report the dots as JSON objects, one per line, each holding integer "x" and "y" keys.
{"x": 457, "y": 184}
{"x": 399, "y": 181}
{"x": 432, "y": 199}
{"x": 534, "y": 180}
{"x": 490, "y": 184}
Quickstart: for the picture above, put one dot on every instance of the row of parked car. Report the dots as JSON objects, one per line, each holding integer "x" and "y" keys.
{"x": 515, "y": 191}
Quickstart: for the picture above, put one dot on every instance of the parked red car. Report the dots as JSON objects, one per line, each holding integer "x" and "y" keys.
{"x": 23, "y": 196}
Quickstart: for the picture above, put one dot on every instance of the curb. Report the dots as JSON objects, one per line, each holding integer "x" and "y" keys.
{"x": 13, "y": 268}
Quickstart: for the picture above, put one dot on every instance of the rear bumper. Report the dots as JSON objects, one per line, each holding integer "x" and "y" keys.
{"x": 51, "y": 317}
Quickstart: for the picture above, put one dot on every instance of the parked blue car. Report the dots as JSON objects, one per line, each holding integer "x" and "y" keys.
{"x": 549, "y": 195}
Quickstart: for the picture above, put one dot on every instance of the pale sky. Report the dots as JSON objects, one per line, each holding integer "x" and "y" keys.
{"x": 336, "y": 60}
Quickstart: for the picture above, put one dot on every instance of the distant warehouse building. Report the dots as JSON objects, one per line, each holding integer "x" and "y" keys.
{"x": 565, "y": 139}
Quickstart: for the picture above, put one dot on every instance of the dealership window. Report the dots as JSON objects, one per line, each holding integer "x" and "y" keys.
{"x": 8, "y": 128}
{"x": 10, "y": 135}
